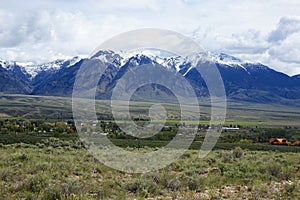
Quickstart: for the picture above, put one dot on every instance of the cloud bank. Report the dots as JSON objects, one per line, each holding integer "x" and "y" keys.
{"x": 40, "y": 31}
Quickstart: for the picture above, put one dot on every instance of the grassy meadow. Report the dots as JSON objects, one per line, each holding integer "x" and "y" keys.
{"x": 55, "y": 169}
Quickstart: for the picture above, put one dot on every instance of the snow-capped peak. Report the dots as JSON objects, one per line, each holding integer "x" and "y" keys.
{"x": 33, "y": 70}
{"x": 119, "y": 59}
{"x": 108, "y": 56}
{"x": 227, "y": 60}
{"x": 8, "y": 65}
{"x": 167, "y": 59}
{"x": 73, "y": 61}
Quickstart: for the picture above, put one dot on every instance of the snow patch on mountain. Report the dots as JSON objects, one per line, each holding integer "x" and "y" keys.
{"x": 119, "y": 59}
{"x": 169, "y": 60}
{"x": 164, "y": 58}
{"x": 175, "y": 62}
{"x": 33, "y": 70}
{"x": 8, "y": 65}
{"x": 227, "y": 60}
{"x": 108, "y": 57}
{"x": 172, "y": 62}
{"x": 74, "y": 61}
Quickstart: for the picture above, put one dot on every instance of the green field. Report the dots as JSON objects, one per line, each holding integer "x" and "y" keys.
{"x": 243, "y": 113}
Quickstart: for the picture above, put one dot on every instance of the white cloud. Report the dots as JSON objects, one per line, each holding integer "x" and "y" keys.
{"x": 286, "y": 27}
{"x": 44, "y": 30}
{"x": 250, "y": 41}
{"x": 152, "y": 5}
{"x": 45, "y": 35}
{"x": 279, "y": 48}
{"x": 288, "y": 50}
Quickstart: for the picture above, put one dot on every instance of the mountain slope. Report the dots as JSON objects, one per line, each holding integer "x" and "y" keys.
{"x": 13, "y": 79}
{"x": 242, "y": 80}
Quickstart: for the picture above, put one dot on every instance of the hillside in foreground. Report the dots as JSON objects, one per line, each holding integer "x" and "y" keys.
{"x": 56, "y": 170}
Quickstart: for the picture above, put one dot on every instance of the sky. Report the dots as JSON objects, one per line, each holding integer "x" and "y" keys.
{"x": 258, "y": 31}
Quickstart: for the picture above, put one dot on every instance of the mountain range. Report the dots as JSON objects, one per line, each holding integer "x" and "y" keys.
{"x": 243, "y": 81}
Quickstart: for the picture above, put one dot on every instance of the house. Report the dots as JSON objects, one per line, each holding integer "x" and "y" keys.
{"x": 279, "y": 141}
{"x": 230, "y": 128}
{"x": 272, "y": 140}
{"x": 297, "y": 143}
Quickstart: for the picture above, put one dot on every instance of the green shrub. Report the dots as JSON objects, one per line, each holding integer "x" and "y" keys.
{"x": 155, "y": 177}
{"x": 52, "y": 193}
{"x": 142, "y": 187}
{"x": 5, "y": 174}
{"x": 174, "y": 184}
{"x": 213, "y": 181}
{"x": 70, "y": 187}
{"x": 195, "y": 182}
{"x": 288, "y": 172}
{"x": 274, "y": 169}
{"x": 291, "y": 189}
{"x": 227, "y": 157}
{"x": 40, "y": 145}
{"x": 108, "y": 189}
{"x": 260, "y": 191}
{"x": 35, "y": 183}
{"x": 230, "y": 156}
{"x": 23, "y": 156}
{"x": 238, "y": 152}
